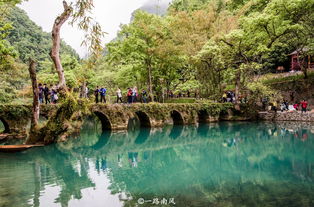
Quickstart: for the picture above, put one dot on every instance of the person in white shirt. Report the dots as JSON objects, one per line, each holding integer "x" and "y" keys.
{"x": 119, "y": 95}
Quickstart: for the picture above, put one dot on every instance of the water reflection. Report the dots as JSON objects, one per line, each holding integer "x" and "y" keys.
{"x": 220, "y": 164}
{"x": 176, "y": 131}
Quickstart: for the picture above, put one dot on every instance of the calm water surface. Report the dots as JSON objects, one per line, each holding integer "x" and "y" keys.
{"x": 214, "y": 165}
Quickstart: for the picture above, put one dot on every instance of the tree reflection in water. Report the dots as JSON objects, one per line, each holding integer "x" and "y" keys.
{"x": 265, "y": 165}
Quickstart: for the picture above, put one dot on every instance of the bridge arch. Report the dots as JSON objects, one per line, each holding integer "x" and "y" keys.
{"x": 5, "y": 126}
{"x": 143, "y": 118}
{"x": 177, "y": 118}
{"x": 203, "y": 116}
{"x": 105, "y": 122}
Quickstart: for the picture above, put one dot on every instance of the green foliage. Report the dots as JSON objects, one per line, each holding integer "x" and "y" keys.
{"x": 261, "y": 41}
{"x": 15, "y": 111}
{"x": 20, "y": 39}
{"x": 58, "y": 124}
{"x": 180, "y": 100}
{"x": 72, "y": 72}
{"x": 30, "y": 41}
{"x": 259, "y": 90}
{"x": 278, "y": 80}
{"x": 188, "y": 5}
{"x": 207, "y": 46}
{"x": 13, "y": 78}
{"x": 7, "y": 52}
{"x": 202, "y": 46}
{"x": 142, "y": 52}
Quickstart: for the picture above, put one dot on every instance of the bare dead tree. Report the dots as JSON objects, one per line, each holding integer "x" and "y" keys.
{"x": 35, "y": 109}
{"x": 56, "y": 40}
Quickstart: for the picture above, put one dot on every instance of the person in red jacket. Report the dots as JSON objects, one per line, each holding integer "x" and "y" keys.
{"x": 129, "y": 95}
{"x": 296, "y": 106}
{"x": 303, "y": 106}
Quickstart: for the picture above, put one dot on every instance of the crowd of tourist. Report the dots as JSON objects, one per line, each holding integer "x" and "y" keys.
{"x": 47, "y": 94}
{"x": 132, "y": 95}
{"x": 228, "y": 96}
{"x": 50, "y": 95}
{"x": 286, "y": 106}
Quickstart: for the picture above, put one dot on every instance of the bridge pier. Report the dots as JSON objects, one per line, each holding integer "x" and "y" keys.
{"x": 16, "y": 118}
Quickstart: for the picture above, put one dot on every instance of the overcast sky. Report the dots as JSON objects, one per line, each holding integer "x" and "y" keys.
{"x": 109, "y": 13}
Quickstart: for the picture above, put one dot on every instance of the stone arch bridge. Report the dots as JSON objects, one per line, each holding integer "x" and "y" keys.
{"x": 16, "y": 118}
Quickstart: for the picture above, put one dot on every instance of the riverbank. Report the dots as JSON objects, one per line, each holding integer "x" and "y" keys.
{"x": 286, "y": 116}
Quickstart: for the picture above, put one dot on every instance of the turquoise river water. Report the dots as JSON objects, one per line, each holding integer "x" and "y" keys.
{"x": 212, "y": 165}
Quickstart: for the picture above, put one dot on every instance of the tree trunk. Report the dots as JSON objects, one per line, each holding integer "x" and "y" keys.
{"x": 150, "y": 87}
{"x": 305, "y": 73}
{"x": 237, "y": 89}
{"x": 301, "y": 64}
{"x": 35, "y": 109}
{"x": 219, "y": 83}
{"x": 56, "y": 40}
{"x": 83, "y": 90}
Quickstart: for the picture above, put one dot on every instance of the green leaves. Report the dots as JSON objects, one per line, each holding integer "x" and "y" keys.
{"x": 146, "y": 44}
{"x": 81, "y": 15}
{"x": 201, "y": 45}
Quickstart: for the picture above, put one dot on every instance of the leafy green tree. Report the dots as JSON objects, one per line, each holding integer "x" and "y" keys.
{"x": 280, "y": 28}
{"x": 12, "y": 72}
{"x": 137, "y": 46}
{"x": 211, "y": 66}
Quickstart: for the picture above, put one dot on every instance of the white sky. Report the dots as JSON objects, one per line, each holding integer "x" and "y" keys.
{"x": 109, "y": 13}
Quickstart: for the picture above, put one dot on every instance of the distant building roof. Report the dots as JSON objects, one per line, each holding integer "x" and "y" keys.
{"x": 298, "y": 51}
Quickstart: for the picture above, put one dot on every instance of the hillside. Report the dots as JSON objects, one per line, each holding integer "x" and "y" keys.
{"x": 293, "y": 87}
{"x": 30, "y": 40}
{"x": 26, "y": 39}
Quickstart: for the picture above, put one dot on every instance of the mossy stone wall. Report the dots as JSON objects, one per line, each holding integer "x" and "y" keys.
{"x": 18, "y": 117}
{"x": 158, "y": 114}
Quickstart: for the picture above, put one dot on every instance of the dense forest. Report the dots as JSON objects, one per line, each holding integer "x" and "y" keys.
{"x": 208, "y": 46}
{"x": 201, "y": 46}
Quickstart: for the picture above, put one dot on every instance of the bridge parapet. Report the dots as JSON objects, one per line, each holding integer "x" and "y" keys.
{"x": 158, "y": 115}
{"x": 16, "y": 118}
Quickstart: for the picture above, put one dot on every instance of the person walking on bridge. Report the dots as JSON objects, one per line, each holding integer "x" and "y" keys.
{"x": 51, "y": 94}
{"x": 134, "y": 94}
{"x": 144, "y": 96}
{"x": 41, "y": 93}
{"x": 303, "y": 106}
{"x": 103, "y": 92}
{"x": 119, "y": 95}
{"x": 129, "y": 95}
{"x": 96, "y": 93}
{"x": 46, "y": 93}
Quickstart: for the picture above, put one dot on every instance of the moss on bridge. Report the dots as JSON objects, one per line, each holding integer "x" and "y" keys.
{"x": 68, "y": 117}
{"x": 158, "y": 114}
{"x": 16, "y": 118}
